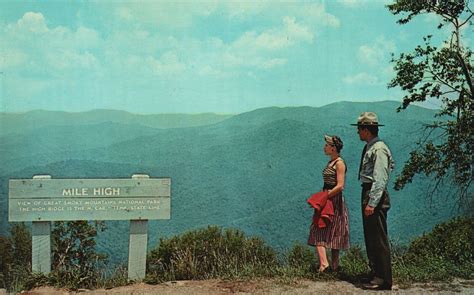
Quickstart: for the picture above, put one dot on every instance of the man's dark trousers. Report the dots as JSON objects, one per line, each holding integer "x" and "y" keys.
{"x": 376, "y": 236}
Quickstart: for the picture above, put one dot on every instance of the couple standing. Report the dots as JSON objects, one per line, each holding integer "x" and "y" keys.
{"x": 375, "y": 166}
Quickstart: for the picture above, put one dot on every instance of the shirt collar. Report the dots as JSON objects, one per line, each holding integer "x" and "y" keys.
{"x": 371, "y": 143}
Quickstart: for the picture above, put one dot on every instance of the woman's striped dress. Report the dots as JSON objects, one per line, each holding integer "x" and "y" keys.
{"x": 336, "y": 234}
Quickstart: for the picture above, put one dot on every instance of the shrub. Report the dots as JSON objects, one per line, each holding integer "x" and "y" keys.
{"x": 210, "y": 253}
{"x": 354, "y": 264}
{"x": 453, "y": 241}
{"x": 442, "y": 254}
{"x": 301, "y": 257}
{"x": 6, "y": 261}
{"x": 76, "y": 263}
{"x": 15, "y": 258}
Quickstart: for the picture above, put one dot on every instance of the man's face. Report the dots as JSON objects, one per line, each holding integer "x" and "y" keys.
{"x": 362, "y": 133}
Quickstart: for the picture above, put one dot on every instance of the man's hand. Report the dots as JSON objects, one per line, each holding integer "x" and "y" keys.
{"x": 368, "y": 211}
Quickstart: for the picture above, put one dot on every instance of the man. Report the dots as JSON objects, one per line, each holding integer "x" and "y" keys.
{"x": 375, "y": 167}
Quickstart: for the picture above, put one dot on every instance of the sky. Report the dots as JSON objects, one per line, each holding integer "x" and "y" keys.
{"x": 200, "y": 56}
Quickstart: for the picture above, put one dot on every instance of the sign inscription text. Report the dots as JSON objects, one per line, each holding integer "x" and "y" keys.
{"x": 89, "y": 199}
{"x": 97, "y": 191}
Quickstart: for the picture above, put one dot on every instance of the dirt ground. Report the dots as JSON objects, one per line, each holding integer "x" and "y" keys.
{"x": 261, "y": 287}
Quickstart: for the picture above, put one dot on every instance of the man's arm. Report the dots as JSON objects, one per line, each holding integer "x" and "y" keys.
{"x": 380, "y": 177}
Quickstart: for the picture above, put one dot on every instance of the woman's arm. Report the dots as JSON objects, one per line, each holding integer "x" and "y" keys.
{"x": 341, "y": 175}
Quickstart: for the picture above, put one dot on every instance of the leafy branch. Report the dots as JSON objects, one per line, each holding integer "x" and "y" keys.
{"x": 445, "y": 74}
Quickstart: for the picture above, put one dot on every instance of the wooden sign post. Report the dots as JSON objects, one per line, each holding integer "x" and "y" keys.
{"x": 43, "y": 199}
{"x": 137, "y": 245}
{"x": 41, "y": 242}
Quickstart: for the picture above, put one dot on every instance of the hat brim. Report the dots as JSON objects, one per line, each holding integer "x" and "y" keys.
{"x": 367, "y": 125}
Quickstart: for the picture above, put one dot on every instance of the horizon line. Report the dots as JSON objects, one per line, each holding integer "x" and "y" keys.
{"x": 202, "y": 113}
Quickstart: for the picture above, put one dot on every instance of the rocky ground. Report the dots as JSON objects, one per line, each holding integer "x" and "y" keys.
{"x": 262, "y": 287}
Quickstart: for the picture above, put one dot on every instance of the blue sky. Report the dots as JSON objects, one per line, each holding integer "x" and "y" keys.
{"x": 200, "y": 56}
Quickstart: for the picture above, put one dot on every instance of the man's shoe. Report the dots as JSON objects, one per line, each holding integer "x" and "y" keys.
{"x": 377, "y": 287}
{"x": 376, "y": 281}
{"x": 366, "y": 278}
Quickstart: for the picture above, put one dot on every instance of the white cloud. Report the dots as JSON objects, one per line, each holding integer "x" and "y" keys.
{"x": 288, "y": 34}
{"x": 86, "y": 37}
{"x": 169, "y": 13}
{"x": 33, "y": 22}
{"x": 30, "y": 41}
{"x": 136, "y": 44}
{"x": 124, "y": 13}
{"x": 234, "y": 61}
{"x": 12, "y": 58}
{"x": 254, "y": 50}
{"x": 313, "y": 14}
{"x": 136, "y": 41}
{"x": 361, "y": 78}
{"x": 370, "y": 55}
{"x": 264, "y": 47}
{"x": 244, "y": 9}
{"x": 121, "y": 63}
{"x": 316, "y": 13}
{"x": 72, "y": 60}
{"x": 168, "y": 64}
{"x": 297, "y": 31}
{"x": 268, "y": 64}
{"x": 376, "y": 53}
{"x": 266, "y": 40}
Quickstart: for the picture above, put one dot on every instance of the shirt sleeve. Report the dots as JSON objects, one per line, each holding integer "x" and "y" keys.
{"x": 380, "y": 177}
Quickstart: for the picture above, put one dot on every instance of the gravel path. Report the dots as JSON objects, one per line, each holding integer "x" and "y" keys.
{"x": 261, "y": 287}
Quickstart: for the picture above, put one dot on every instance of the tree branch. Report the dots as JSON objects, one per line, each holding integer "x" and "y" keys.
{"x": 439, "y": 80}
{"x": 463, "y": 23}
{"x": 466, "y": 73}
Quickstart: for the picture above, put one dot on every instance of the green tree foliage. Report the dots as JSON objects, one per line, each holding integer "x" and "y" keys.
{"x": 15, "y": 257}
{"x": 443, "y": 73}
{"x": 75, "y": 260}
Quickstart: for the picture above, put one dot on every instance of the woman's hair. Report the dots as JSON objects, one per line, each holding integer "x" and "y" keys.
{"x": 337, "y": 143}
{"x": 334, "y": 141}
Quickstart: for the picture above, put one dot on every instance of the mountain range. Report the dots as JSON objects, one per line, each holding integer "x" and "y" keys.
{"x": 252, "y": 171}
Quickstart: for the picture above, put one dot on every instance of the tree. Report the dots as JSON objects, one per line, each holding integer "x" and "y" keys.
{"x": 443, "y": 73}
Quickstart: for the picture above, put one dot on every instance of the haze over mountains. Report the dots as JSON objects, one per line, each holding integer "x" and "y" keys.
{"x": 252, "y": 171}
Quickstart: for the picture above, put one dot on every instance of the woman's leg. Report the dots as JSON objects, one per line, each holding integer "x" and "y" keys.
{"x": 323, "y": 260}
{"x": 335, "y": 259}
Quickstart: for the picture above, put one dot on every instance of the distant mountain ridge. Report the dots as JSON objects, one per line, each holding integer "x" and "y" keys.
{"x": 20, "y": 122}
{"x": 253, "y": 170}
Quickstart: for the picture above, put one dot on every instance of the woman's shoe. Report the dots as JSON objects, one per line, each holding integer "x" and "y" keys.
{"x": 324, "y": 269}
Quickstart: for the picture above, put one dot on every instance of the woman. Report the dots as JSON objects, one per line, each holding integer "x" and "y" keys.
{"x": 335, "y": 235}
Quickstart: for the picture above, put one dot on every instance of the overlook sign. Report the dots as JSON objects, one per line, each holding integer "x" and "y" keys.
{"x": 89, "y": 199}
{"x": 43, "y": 199}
